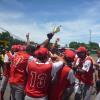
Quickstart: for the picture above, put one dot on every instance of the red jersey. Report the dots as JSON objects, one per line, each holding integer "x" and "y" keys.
{"x": 87, "y": 66}
{"x": 39, "y": 77}
{"x": 18, "y": 68}
{"x": 63, "y": 81}
{"x": 79, "y": 64}
{"x": 87, "y": 78}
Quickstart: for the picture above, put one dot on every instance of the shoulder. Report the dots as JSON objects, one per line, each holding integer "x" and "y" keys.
{"x": 88, "y": 59}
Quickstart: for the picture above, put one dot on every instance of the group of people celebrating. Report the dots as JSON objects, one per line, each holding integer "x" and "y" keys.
{"x": 39, "y": 73}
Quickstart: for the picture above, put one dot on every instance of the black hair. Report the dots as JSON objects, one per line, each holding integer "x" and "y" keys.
{"x": 30, "y": 49}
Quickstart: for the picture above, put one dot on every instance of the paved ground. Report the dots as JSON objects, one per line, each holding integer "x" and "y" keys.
{"x": 7, "y": 93}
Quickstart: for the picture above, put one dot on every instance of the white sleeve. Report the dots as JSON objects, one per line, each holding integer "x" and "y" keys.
{"x": 86, "y": 65}
{"x": 71, "y": 77}
{"x": 98, "y": 60}
{"x": 31, "y": 58}
{"x": 56, "y": 66}
{"x": 6, "y": 59}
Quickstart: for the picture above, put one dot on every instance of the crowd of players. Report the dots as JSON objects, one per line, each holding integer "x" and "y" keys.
{"x": 39, "y": 73}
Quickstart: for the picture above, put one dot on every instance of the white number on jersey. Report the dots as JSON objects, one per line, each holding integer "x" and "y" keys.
{"x": 38, "y": 80}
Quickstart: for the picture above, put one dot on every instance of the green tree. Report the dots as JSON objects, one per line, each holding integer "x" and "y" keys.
{"x": 73, "y": 45}
{"x": 93, "y": 45}
{"x": 5, "y": 36}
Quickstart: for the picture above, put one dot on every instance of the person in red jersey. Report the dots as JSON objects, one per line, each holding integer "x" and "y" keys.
{"x": 7, "y": 61}
{"x": 64, "y": 78}
{"x": 9, "y": 58}
{"x": 40, "y": 74}
{"x": 84, "y": 74}
{"x": 18, "y": 76}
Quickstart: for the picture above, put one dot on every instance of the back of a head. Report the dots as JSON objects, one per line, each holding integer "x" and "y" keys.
{"x": 22, "y": 47}
{"x": 30, "y": 49}
{"x": 69, "y": 54}
{"x": 15, "y": 48}
{"x": 42, "y": 53}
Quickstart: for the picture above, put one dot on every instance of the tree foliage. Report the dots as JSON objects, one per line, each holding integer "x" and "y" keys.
{"x": 73, "y": 45}
{"x": 5, "y": 36}
{"x": 90, "y": 46}
{"x": 94, "y": 45}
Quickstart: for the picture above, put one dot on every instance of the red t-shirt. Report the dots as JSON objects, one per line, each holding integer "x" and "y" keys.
{"x": 18, "y": 68}
{"x": 87, "y": 66}
{"x": 39, "y": 77}
{"x": 62, "y": 82}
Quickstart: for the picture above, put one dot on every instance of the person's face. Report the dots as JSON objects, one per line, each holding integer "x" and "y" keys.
{"x": 81, "y": 55}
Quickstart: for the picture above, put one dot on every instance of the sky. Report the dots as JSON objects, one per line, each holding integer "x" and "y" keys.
{"x": 39, "y": 17}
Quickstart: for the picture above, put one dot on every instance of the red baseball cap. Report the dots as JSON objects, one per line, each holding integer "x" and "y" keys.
{"x": 15, "y": 48}
{"x": 43, "y": 51}
{"x": 81, "y": 49}
{"x": 69, "y": 53}
{"x": 36, "y": 53}
{"x": 22, "y": 48}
